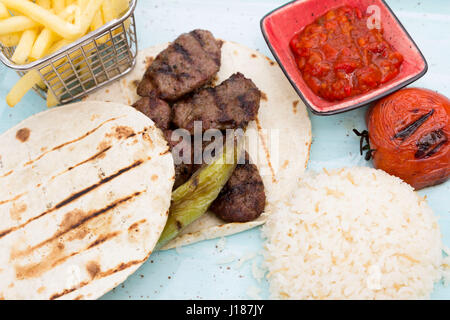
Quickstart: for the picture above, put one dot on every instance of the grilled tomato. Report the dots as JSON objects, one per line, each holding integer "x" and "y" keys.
{"x": 409, "y": 136}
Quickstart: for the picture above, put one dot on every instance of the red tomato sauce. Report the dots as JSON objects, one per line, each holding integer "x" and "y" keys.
{"x": 340, "y": 57}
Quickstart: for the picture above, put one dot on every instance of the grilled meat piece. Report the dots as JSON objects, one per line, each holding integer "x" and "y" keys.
{"x": 156, "y": 109}
{"x": 232, "y": 104}
{"x": 182, "y": 174}
{"x": 243, "y": 198}
{"x": 189, "y": 63}
{"x": 183, "y": 171}
{"x": 160, "y": 112}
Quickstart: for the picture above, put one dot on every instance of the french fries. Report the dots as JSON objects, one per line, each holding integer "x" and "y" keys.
{"x": 46, "y": 18}
{"x": 58, "y": 5}
{"x": 25, "y": 84}
{"x": 47, "y": 37}
{"x": 24, "y": 47}
{"x": 109, "y": 10}
{"x": 10, "y": 40}
{"x": 97, "y": 22}
{"x": 52, "y": 101}
{"x": 32, "y": 78}
{"x": 122, "y": 6}
{"x": 88, "y": 14}
{"x": 42, "y": 44}
{"x": 37, "y": 28}
{"x": 113, "y": 9}
{"x": 15, "y": 24}
{"x": 4, "y": 13}
{"x": 46, "y": 4}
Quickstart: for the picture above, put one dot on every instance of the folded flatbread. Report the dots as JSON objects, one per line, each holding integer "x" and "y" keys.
{"x": 282, "y": 130}
{"x": 85, "y": 192}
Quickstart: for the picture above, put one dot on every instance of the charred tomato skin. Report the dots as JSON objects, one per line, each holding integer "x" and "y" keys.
{"x": 410, "y": 132}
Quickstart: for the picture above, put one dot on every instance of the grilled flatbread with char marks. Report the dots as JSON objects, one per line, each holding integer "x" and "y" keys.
{"x": 85, "y": 195}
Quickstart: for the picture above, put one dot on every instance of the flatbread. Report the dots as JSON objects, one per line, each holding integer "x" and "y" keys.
{"x": 85, "y": 195}
{"x": 283, "y": 128}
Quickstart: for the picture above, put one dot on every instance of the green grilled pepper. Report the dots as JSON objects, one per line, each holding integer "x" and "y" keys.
{"x": 191, "y": 200}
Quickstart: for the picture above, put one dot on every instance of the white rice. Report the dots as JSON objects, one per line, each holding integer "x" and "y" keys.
{"x": 353, "y": 234}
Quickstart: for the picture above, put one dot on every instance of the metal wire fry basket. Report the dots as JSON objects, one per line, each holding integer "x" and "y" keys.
{"x": 87, "y": 64}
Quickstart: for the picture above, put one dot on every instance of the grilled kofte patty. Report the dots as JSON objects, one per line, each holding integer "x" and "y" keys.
{"x": 243, "y": 198}
{"x": 187, "y": 64}
{"x": 161, "y": 113}
{"x": 232, "y": 104}
{"x": 156, "y": 109}
{"x": 183, "y": 170}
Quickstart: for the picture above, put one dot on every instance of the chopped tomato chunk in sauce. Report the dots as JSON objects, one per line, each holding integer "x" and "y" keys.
{"x": 340, "y": 57}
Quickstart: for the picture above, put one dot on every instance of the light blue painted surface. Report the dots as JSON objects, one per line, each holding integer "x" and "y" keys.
{"x": 197, "y": 271}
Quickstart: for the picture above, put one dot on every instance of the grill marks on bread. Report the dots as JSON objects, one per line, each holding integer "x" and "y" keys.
{"x": 74, "y": 197}
{"x": 56, "y": 148}
{"x": 70, "y": 142}
{"x": 101, "y": 274}
{"x": 87, "y": 198}
{"x": 72, "y": 222}
{"x": 119, "y": 132}
{"x": 73, "y": 225}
